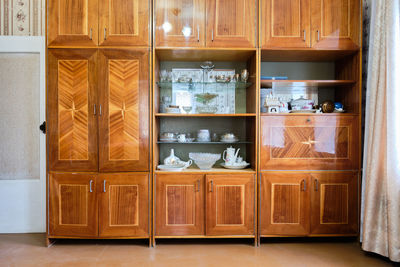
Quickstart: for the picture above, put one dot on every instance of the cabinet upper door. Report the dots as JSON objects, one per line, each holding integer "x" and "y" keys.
{"x": 71, "y": 109}
{"x": 335, "y": 24}
{"x": 179, "y": 203}
{"x": 309, "y": 142}
{"x": 180, "y": 23}
{"x": 123, "y": 205}
{"x": 72, "y": 23}
{"x": 124, "y": 103}
{"x": 72, "y": 205}
{"x": 285, "y": 23}
{"x": 230, "y": 204}
{"x": 124, "y": 22}
{"x": 284, "y": 203}
{"x": 334, "y": 203}
{"x": 231, "y": 23}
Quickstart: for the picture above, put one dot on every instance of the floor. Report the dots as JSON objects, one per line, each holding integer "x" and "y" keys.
{"x": 29, "y": 250}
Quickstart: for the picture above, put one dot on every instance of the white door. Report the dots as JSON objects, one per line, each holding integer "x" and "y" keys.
{"x": 22, "y": 144}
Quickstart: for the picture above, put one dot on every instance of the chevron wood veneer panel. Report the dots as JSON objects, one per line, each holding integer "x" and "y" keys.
{"x": 124, "y": 109}
{"x": 73, "y": 109}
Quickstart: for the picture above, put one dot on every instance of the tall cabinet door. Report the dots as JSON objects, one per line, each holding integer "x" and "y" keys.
{"x": 180, "y": 23}
{"x": 334, "y": 203}
{"x": 123, "y": 204}
{"x": 124, "y": 22}
{"x": 72, "y": 23}
{"x": 284, "y": 203}
{"x": 124, "y": 103}
{"x": 179, "y": 203}
{"x": 335, "y": 24}
{"x": 285, "y": 23}
{"x": 231, "y": 23}
{"x": 230, "y": 205}
{"x": 72, "y": 205}
{"x": 71, "y": 110}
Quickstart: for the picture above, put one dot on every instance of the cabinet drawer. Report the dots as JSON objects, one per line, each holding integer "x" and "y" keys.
{"x": 309, "y": 142}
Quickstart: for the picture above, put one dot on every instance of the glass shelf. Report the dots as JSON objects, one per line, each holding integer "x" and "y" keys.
{"x": 238, "y": 85}
{"x": 205, "y": 143}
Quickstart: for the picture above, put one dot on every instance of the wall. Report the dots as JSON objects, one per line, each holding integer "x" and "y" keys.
{"x": 22, "y": 17}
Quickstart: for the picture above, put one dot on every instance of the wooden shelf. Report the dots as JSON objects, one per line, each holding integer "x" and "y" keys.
{"x": 306, "y": 54}
{"x": 205, "y": 115}
{"x": 308, "y": 114}
{"x": 204, "y": 53}
{"x": 318, "y": 83}
{"x": 204, "y": 143}
{"x": 213, "y": 170}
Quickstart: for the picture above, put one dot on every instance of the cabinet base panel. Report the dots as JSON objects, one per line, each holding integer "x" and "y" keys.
{"x": 318, "y": 235}
{"x": 205, "y": 236}
{"x": 88, "y": 238}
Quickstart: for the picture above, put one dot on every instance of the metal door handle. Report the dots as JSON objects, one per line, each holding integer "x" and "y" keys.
{"x": 90, "y": 34}
{"x": 90, "y": 186}
{"x": 212, "y": 186}
{"x": 304, "y": 185}
{"x": 304, "y": 35}
{"x": 212, "y": 35}
{"x": 100, "y": 110}
{"x": 104, "y": 186}
{"x": 318, "y": 35}
{"x": 198, "y": 185}
{"x": 316, "y": 184}
{"x": 105, "y": 33}
{"x": 198, "y": 34}
{"x": 94, "y": 109}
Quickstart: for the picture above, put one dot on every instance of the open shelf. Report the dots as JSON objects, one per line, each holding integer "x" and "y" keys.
{"x": 308, "y": 114}
{"x": 204, "y": 53}
{"x": 216, "y": 169}
{"x": 305, "y": 54}
{"x": 318, "y": 83}
{"x": 238, "y": 85}
{"x": 205, "y": 115}
{"x": 205, "y": 143}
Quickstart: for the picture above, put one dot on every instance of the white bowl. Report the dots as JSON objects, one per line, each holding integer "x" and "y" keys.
{"x": 204, "y": 161}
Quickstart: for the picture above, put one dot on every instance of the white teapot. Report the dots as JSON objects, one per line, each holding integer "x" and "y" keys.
{"x": 230, "y": 155}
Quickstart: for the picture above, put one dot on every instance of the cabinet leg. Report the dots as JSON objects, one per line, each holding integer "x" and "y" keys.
{"x": 50, "y": 242}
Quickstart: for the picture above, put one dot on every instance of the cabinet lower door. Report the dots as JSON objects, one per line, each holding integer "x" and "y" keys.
{"x": 284, "y": 204}
{"x": 124, "y": 22}
{"x": 72, "y": 205}
{"x": 231, "y": 23}
{"x": 285, "y": 23}
{"x": 71, "y": 109}
{"x": 124, "y": 103}
{"x": 72, "y": 22}
{"x": 179, "y": 201}
{"x": 123, "y": 205}
{"x": 335, "y": 24}
{"x": 334, "y": 203}
{"x": 179, "y": 23}
{"x": 230, "y": 205}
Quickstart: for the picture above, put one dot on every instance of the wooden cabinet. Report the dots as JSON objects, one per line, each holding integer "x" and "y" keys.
{"x": 231, "y": 23}
{"x": 335, "y": 24}
{"x": 180, "y": 23}
{"x": 72, "y": 23}
{"x": 123, "y": 204}
{"x": 334, "y": 203}
{"x": 309, "y": 143}
{"x": 321, "y": 24}
{"x": 72, "y": 120}
{"x": 124, "y": 118}
{"x": 179, "y": 204}
{"x": 93, "y": 22}
{"x": 230, "y": 205}
{"x": 211, "y": 23}
{"x": 285, "y": 23}
{"x": 124, "y": 22}
{"x": 285, "y": 203}
{"x": 181, "y": 211}
{"x": 73, "y": 204}
{"x": 316, "y": 203}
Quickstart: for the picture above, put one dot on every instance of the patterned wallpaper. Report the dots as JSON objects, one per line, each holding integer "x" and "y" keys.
{"x": 22, "y": 17}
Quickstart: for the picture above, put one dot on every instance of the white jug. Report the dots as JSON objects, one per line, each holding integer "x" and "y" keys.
{"x": 229, "y": 155}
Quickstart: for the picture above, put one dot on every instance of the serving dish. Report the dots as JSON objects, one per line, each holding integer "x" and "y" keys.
{"x": 236, "y": 166}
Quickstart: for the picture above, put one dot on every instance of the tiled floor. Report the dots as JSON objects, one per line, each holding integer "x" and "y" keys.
{"x": 29, "y": 250}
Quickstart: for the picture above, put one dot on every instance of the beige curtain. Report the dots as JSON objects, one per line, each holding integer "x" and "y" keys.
{"x": 380, "y": 214}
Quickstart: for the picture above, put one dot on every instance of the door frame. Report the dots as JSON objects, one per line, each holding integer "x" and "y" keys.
{"x": 25, "y": 210}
